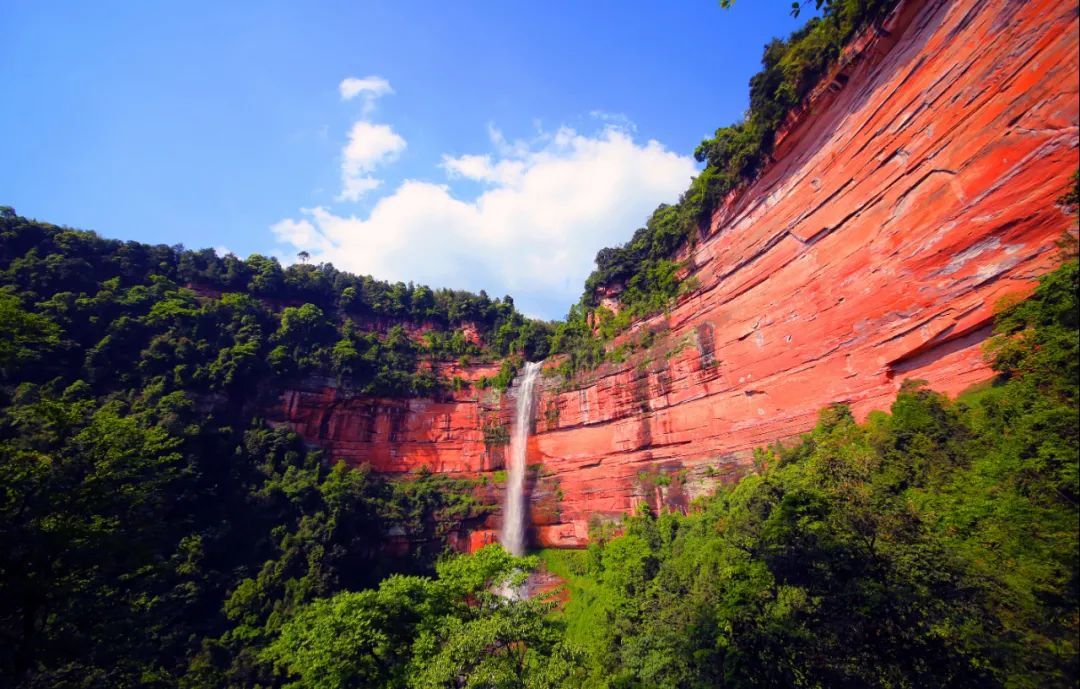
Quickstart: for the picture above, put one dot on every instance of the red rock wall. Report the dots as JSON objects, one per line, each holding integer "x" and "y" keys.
{"x": 916, "y": 189}
{"x": 402, "y": 435}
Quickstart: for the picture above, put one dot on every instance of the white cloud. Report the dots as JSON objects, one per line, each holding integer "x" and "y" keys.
{"x": 517, "y": 149}
{"x": 550, "y": 204}
{"x": 369, "y": 146}
{"x": 301, "y": 234}
{"x": 370, "y": 87}
{"x": 355, "y": 186}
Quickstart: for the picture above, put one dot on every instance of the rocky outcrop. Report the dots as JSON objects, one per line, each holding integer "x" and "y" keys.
{"x": 914, "y": 191}
{"x": 464, "y": 432}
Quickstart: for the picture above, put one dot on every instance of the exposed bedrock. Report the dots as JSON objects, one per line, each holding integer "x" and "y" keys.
{"x": 916, "y": 189}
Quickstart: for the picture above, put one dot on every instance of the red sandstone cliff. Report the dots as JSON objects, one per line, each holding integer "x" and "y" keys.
{"x": 915, "y": 190}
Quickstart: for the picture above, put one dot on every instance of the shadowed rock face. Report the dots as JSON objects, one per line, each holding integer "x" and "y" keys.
{"x": 915, "y": 190}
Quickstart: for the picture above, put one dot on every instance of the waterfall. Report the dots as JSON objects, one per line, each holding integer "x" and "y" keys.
{"x": 513, "y": 531}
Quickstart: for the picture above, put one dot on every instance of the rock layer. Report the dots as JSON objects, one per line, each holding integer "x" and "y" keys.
{"x": 914, "y": 191}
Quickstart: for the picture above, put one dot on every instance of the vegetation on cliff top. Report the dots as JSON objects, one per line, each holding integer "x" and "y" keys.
{"x": 154, "y": 532}
{"x": 122, "y": 315}
{"x": 643, "y": 275}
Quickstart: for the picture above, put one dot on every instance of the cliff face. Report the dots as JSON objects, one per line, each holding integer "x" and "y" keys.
{"x": 916, "y": 190}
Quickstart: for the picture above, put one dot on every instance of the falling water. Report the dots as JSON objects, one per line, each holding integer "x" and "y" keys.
{"x": 513, "y": 531}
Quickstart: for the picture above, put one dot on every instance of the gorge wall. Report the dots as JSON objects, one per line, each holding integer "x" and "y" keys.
{"x": 915, "y": 190}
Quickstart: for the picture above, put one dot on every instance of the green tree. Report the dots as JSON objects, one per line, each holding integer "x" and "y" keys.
{"x": 25, "y": 337}
{"x": 454, "y": 630}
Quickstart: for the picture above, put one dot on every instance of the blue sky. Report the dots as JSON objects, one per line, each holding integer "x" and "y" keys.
{"x": 481, "y": 145}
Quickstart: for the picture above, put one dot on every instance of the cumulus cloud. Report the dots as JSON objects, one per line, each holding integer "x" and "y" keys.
{"x": 301, "y": 234}
{"x": 369, "y": 146}
{"x": 546, "y": 208}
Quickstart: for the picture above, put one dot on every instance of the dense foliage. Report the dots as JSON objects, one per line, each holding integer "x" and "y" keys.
{"x": 933, "y": 546}
{"x": 790, "y": 70}
{"x": 456, "y": 630}
{"x": 112, "y": 299}
{"x": 148, "y": 544}
{"x": 154, "y": 532}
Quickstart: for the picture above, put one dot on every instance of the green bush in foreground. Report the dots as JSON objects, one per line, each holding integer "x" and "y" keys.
{"x": 453, "y": 630}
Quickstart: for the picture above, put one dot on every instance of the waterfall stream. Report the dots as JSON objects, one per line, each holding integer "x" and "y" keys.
{"x": 513, "y": 530}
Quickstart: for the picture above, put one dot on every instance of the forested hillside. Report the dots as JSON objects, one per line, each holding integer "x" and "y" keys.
{"x": 157, "y": 531}
{"x": 153, "y": 527}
